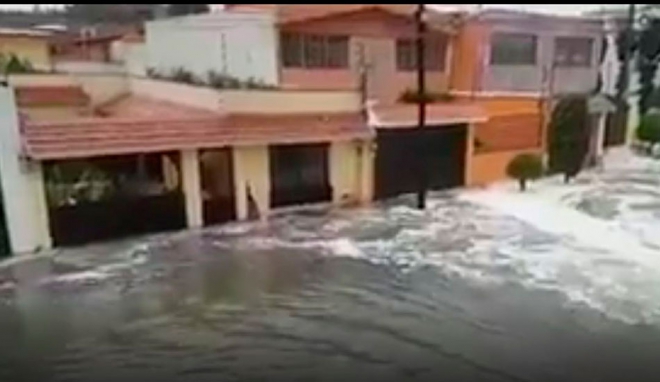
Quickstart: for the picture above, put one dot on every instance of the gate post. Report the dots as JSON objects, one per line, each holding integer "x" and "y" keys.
{"x": 192, "y": 187}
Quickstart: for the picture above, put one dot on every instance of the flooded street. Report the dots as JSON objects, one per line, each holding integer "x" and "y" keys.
{"x": 558, "y": 284}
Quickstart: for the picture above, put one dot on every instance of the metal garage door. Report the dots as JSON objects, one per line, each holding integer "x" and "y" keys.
{"x": 399, "y": 149}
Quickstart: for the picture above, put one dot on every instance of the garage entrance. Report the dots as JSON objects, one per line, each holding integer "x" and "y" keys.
{"x": 399, "y": 149}
{"x": 106, "y": 198}
{"x": 217, "y": 178}
{"x": 299, "y": 174}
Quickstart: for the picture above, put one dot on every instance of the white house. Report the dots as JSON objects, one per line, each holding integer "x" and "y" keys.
{"x": 242, "y": 44}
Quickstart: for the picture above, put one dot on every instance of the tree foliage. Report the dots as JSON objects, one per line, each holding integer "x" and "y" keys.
{"x": 648, "y": 48}
{"x": 186, "y": 9}
{"x": 12, "y": 64}
{"x": 568, "y": 136}
{"x": 649, "y": 129}
{"x": 525, "y": 167}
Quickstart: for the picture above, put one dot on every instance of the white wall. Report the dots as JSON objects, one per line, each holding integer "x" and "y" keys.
{"x": 242, "y": 45}
{"x": 22, "y": 185}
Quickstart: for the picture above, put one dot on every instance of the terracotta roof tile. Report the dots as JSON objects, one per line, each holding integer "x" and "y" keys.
{"x": 406, "y": 115}
{"x": 35, "y": 96}
{"x": 292, "y": 13}
{"x": 114, "y": 136}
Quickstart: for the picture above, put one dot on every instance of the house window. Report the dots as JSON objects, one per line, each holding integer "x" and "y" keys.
{"x": 434, "y": 54}
{"x": 573, "y": 51}
{"x": 313, "y": 51}
{"x": 513, "y": 49}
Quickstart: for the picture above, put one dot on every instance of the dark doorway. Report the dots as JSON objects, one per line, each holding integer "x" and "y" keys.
{"x": 400, "y": 149}
{"x": 299, "y": 174}
{"x": 217, "y": 177}
{"x": 616, "y": 125}
{"x": 4, "y": 234}
{"x": 113, "y": 197}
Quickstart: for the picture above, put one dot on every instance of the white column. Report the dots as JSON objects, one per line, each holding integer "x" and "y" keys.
{"x": 192, "y": 188}
{"x": 600, "y": 135}
{"x": 251, "y": 170}
{"x": 22, "y": 185}
{"x": 367, "y": 172}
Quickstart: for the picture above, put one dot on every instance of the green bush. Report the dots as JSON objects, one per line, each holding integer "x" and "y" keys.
{"x": 414, "y": 96}
{"x": 524, "y": 167}
{"x": 649, "y": 128}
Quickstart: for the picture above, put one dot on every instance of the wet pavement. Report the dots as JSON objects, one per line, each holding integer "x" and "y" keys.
{"x": 558, "y": 284}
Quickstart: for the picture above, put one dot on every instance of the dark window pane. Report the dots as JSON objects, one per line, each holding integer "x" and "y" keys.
{"x": 314, "y": 51}
{"x": 405, "y": 55}
{"x": 291, "y": 50}
{"x": 573, "y": 51}
{"x": 337, "y": 54}
{"x": 513, "y": 49}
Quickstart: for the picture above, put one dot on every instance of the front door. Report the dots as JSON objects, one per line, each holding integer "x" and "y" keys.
{"x": 299, "y": 174}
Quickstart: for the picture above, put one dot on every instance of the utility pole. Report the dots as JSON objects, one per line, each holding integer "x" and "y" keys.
{"x": 421, "y": 88}
{"x": 622, "y": 89}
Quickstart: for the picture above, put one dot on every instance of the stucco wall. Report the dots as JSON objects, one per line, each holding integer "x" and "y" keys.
{"x": 54, "y": 113}
{"x": 248, "y": 101}
{"x": 475, "y": 45}
{"x": 251, "y": 169}
{"x": 344, "y": 172}
{"x": 239, "y": 44}
{"x": 34, "y": 49}
{"x": 102, "y": 88}
{"x": 491, "y": 167}
{"x": 22, "y": 185}
{"x": 195, "y": 96}
{"x": 288, "y": 101}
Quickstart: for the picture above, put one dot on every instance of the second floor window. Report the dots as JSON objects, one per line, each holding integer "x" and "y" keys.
{"x": 513, "y": 49}
{"x": 313, "y": 51}
{"x": 435, "y": 54}
{"x": 573, "y": 51}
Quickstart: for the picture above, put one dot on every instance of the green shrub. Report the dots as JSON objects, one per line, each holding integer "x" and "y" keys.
{"x": 414, "y": 96}
{"x": 524, "y": 167}
{"x": 649, "y": 128}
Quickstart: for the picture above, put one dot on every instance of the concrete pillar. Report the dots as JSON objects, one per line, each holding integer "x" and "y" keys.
{"x": 367, "y": 173}
{"x": 251, "y": 171}
{"x": 600, "y": 136}
{"x": 192, "y": 187}
{"x": 469, "y": 154}
{"x": 22, "y": 185}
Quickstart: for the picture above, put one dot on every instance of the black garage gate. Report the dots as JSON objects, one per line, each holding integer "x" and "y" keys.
{"x": 399, "y": 149}
{"x": 299, "y": 174}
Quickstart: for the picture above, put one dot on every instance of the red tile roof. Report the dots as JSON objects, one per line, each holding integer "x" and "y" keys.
{"x": 293, "y": 13}
{"x": 406, "y": 115}
{"x": 114, "y": 136}
{"x": 36, "y": 96}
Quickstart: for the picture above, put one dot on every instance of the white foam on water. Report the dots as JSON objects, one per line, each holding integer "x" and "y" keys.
{"x": 603, "y": 264}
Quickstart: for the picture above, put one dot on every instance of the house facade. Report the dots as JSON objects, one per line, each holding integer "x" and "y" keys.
{"x": 511, "y": 63}
{"x": 27, "y": 44}
{"x": 164, "y": 156}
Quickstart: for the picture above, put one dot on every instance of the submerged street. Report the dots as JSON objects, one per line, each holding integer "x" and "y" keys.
{"x": 560, "y": 283}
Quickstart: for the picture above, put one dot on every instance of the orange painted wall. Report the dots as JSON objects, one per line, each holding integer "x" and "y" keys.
{"x": 491, "y": 167}
{"x": 376, "y": 31}
{"x": 466, "y": 57}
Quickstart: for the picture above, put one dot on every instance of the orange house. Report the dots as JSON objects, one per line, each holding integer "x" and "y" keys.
{"x": 511, "y": 63}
